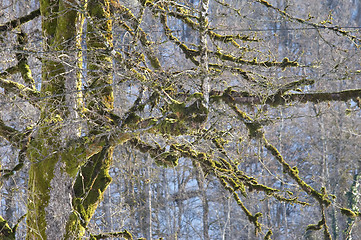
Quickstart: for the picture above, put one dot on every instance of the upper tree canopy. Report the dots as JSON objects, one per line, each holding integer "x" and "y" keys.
{"x": 222, "y": 85}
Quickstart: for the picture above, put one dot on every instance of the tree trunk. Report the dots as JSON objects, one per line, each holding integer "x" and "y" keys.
{"x": 61, "y": 202}
{"x": 205, "y": 206}
{"x": 51, "y": 173}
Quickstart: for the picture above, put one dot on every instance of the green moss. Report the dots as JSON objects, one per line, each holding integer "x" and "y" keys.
{"x": 146, "y": 2}
{"x": 49, "y": 11}
{"x": 74, "y": 226}
{"x": 66, "y": 26}
{"x": 293, "y": 173}
{"x": 196, "y": 112}
{"x": 91, "y": 183}
{"x": 40, "y": 175}
{"x": 99, "y": 59}
{"x": 263, "y": 188}
{"x": 172, "y": 127}
{"x": 73, "y": 159}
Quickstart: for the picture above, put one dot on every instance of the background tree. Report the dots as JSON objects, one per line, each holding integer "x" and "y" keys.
{"x": 215, "y": 119}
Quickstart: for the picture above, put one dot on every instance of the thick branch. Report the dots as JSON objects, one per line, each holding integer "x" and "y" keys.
{"x": 342, "y": 96}
{"x": 125, "y": 234}
{"x": 17, "y": 22}
{"x": 279, "y": 99}
{"x": 228, "y": 57}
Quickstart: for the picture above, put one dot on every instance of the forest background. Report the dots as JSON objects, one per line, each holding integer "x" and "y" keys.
{"x": 184, "y": 119}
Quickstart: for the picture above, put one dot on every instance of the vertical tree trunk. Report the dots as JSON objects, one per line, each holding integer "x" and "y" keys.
{"x": 353, "y": 203}
{"x": 148, "y": 202}
{"x": 203, "y": 24}
{"x": 205, "y": 205}
{"x": 59, "y": 206}
{"x": 50, "y": 175}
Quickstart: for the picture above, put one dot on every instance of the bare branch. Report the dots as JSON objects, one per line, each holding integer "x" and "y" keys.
{"x": 335, "y": 29}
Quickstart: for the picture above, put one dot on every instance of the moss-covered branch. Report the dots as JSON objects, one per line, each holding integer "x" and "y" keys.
{"x": 6, "y": 173}
{"x": 182, "y": 13}
{"x": 234, "y": 69}
{"x": 254, "y": 62}
{"x": 27, "y": 93}
{"x": 230, "y": 38}
{"x": 353, "y": 203}
{"x": 342, "y": 96}
{"x": 226, "y": 172}
{"x": 245, "y": 98}
{"x": 252, "y": 218}
{"x": 17, "y": 22}
{"x": 293, "y": 172}
{"x": 256, "y": 131}
{"x": 6, "y": 232}
{"x": 89, "y": 187}
{"x": 124, "y": 234}
{"x": 321, "y": 224}
{"x": 189, "y": 52}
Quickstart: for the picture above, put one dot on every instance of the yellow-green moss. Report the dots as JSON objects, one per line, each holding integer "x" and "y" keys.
{"x": 6, "y": 232}
{"x": 349, "y": 212}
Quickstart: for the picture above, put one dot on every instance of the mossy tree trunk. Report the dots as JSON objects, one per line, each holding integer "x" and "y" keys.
{"x": 61, "y": 202}
{"x": 50, "y": 180}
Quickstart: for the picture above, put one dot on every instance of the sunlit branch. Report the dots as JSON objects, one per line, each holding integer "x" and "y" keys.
{"x": 19, "y": 89}
{"x": 136, "y": 31}
{"x": 256, "y": 131}
{"x": 203, "y": 49}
